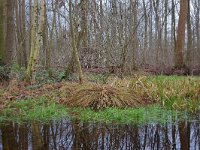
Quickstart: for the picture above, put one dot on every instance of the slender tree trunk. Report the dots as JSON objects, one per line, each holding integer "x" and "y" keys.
{"x": 134, "y": 38}
{"x": 48, "y": 53}
{"x": 38, "y": 39}
{"x": 10, "y": 32}
{"x": 179, "y": 62}
{"x": 173, "y": 27}
{"x": 45, "y": 39}
{"x": 145, "y": 31}
{"x": 74, "y": 46}
{"x": 35, "y": 46}
{"x": 198, "y": 29}
{"x": 29, "y": 70}
{"x": 165, "y": 49}
{"x": 157, "y": 30}
{"x": 2, "y": 30}
{"x": 101, "y": 30}
{"x": 151, "y": 31}
{"x": 189, "y": 38}
{"x": 18, "y": 15}
{"x": 30, "y": 28}
{"x": 24, "y": 53}
{"x": 84, "y": 22}
{"x": 21, "y": 32}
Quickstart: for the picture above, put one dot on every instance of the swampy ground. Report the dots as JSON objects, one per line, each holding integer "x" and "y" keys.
{"x": 133, "y": 99}
{"x": 105, "y": 112}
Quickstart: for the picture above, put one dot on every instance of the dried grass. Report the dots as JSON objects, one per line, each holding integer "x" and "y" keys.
{"x": 98, "y": 96}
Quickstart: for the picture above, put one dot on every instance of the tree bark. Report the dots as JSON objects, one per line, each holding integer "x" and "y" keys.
{"x": 10, "y": 32}
{"x": 189, "y": 38}
{"x": 34, "y": 18}
{"x": 179, "y": 62}
{"x": 74, "y": 46}
{"x": 2, "y": 35}
{"x": 145, "y": 31}
{"x": 35, "y": 46}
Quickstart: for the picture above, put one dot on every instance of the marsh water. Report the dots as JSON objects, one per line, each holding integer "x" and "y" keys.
{"x": 75, "y": 135}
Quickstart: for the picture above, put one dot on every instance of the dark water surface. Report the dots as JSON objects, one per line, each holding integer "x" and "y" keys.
{"x": 76, "y": 135}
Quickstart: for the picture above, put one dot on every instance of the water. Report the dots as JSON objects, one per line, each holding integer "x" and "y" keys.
{"x": 75, "y": 135}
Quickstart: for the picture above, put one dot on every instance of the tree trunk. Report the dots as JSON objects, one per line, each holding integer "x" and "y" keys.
{"x": 173, "y": 27}
{"x": 189, "y": 38}
{"x": 24, "y": 53}
{"x": 2, "y": 30}
{"x": 29, "y": 70}
{"x": 45, "y": 39}
{"x": 165, "y": 49}
{"x": 49, "y": 50}
{"x": 35, "y": 46}
{"x": 145, "y": 32}
{"x": 179, "y": 62}
{"x": 38, "y": 39}
{"x": 84, "y": 21}
{"x": 135, "y": 38}
{"x": 198, "y": 29}
{"x": 10, "y": 34}
{"x": 74, "y": 46}
{"x": 21, "y": 33}
{"x": 151, "y": 32}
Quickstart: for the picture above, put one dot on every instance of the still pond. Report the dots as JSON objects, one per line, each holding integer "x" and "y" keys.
{"x": 75, "y": 135}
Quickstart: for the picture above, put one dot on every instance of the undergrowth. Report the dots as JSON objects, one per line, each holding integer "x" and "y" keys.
{"x": 180, "y": 93}
{"x": 48, "y": 101}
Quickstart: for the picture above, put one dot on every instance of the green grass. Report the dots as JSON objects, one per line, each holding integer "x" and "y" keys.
{"x": 41, "y": 110}
{"x": 151, "y": 114}
{"x": 178, "y": 92}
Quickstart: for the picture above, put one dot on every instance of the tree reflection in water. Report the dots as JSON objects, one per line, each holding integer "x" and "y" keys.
{"x": 77, "y": 135}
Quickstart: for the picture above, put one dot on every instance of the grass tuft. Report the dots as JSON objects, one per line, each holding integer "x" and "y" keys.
{"x": 100, "y": 96}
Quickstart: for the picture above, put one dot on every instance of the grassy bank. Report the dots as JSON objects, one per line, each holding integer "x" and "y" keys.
{"x": 137, "y": 99}
{"x": 42, "y": 110}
